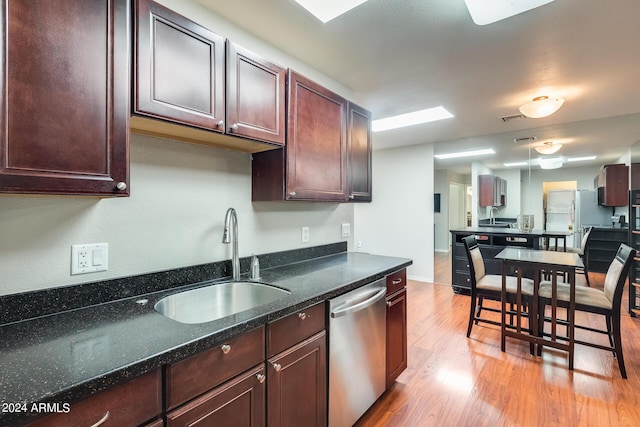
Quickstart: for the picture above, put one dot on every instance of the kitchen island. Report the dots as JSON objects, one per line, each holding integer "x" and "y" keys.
{"x": 95, "y": 343}
{"x": 491, "y": 241}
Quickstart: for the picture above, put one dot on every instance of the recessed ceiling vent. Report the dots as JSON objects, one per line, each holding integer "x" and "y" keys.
{"x": 515, "y": 116}
{"x": 525, "y": 139}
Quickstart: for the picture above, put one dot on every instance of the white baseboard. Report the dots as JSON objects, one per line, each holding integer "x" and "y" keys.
{"x": 441, "y": 250}
{"x": 421, "y": 279}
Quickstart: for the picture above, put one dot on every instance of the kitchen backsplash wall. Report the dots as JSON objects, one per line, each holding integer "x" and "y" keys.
{"x": 174, "y": 217}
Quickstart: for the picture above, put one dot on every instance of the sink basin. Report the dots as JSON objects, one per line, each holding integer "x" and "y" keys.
{"x": 217, "y": 301}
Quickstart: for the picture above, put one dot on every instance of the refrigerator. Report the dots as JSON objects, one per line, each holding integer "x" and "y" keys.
{"x": 588, "y": 213}
{"x": 560, "y": 212}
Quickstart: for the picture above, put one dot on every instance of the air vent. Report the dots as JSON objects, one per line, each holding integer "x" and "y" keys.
{"x": 515, "y": 116}
{"x": 525, "y": 139}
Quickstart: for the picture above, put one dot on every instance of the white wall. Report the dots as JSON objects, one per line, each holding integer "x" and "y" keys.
{"x": 400, "y": 220}
{"x": 174, "y": 217}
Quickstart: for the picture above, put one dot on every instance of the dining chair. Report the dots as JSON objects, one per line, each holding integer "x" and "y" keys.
{"x": 581, "y": 251}
{"x": 489, "y": 286}
{"x": 606, "y": 302}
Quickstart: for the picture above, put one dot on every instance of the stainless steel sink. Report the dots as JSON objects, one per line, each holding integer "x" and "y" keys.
{"x": 217, "y": 301}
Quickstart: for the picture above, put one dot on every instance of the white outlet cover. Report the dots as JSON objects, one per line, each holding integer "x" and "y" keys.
{"x": 305, "y": 235}
{"x": 89, "y": 258}
{"x": 346, "y": 230}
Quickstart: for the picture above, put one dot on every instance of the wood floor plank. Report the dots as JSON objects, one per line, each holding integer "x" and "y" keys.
{"x": 453, "y": 380}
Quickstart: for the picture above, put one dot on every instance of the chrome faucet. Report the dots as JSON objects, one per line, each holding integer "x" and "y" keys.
{"x": 229, "y": 218}
{"x": 492, "y": 216}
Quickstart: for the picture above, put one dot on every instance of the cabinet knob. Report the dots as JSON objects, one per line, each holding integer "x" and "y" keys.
{"x": 388, "y": 303}
{"x": 351, "y": 197}
{"x": 292, "y": 194}
{"x": 234, "y": 126}
{"x": 260, "y": 378}
{"x": 226, "y": 348}
{"x": 277, "y": 367}
{"x": 302, "y": 316}
{"x": 220, "y": 123}
{"x": 121, "y": 186}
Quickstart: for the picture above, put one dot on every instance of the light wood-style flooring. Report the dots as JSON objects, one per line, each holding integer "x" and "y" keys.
{"x": 453, "y": 380}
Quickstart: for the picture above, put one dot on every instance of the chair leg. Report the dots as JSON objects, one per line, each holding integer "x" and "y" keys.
{"x": 541, "y": 310}
{"x": 472, "y": 314}
{"x": 609, "y": 332}
{"x": 618, "y": 345}
{"x": 586, "y": 275}
{"x": 479, "y": 309}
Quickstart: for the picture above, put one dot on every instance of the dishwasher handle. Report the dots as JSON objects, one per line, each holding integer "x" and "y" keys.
{"x": 359, "y": 306}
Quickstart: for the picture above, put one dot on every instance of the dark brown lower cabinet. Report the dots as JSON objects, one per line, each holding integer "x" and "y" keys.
{"x": 238, "y": 402}
{"x": 130, "y": 404}
{"x": 297, "y": 384}
{"x": 396, "y": 335}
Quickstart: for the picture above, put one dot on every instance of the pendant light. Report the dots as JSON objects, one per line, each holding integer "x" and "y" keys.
{"x": 541, "y": 106}
{"x": 548, "y": 147}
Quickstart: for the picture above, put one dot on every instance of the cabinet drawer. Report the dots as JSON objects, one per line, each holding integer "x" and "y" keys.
{"x": 196, "y": 375}
{"x": 129, "y": 404}
{"x": 396, "y": 281}
{"x": 290, "y": 330}
{"x": 462, "y": 279}
{"x": 240, "y": 401}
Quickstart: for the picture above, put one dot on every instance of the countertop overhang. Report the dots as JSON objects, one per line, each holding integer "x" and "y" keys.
{"x": 71, "y": 355}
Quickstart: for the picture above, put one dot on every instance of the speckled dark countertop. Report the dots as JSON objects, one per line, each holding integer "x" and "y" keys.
{"x": 67, "y": 356}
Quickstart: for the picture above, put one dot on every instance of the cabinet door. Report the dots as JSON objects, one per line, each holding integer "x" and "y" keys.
{"x": 616, "y": 185}
{"x": 359, "y": 164}
{"x": 396, "y": 335}
{"x": 65, "y": 96}
{"x": 238, "y": 402}
{"x": 179, "y": 69}
{"x": 255, "y": 96}
{"x": 485, "y": 185}
{"x": 297, "y": 385}
{"x": 317, "y": 144}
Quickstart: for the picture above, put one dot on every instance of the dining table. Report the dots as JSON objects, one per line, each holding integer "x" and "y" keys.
{"x": 536, "y": 264}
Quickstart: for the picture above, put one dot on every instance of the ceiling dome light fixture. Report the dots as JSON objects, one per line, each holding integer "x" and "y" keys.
{"x": 550, "y": 162}
{"x": 548, "y": 147}
{"x": 541, "y": 106}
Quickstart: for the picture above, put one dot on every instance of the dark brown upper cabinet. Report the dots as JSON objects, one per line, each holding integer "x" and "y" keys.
{"x": 179, "y": 69}
{"x": 256, "y": 90}
{"x": 612, "y": 185}
{"x": 65, "y": 97}
{"x": 313, "y": 165}
{"x": 189, "y": 87}
{"x": 359, "y": 161}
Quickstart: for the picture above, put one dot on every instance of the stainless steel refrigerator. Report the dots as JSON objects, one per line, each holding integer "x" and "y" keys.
{"x": 588, "y": 213}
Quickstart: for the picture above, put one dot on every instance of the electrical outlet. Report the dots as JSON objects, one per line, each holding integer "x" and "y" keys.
{"x": 89, "y": 258}
{"x": 346, "y": 229}
{"x": 305, "y": 235}
{"x": 359, "y": 244}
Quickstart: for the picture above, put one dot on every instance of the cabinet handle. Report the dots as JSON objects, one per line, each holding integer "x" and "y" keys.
{"x": 388, "y": 303}
{"x": 121, "y": 186}
{"x": 277, "y": 367}
{"x": 351, "y": 197}
{"x": 234, "y": 126}
{"x": 302, "y": 315}
{"x": 260, "y": 378}
{"x": 102, "y": 420}
{"x": 226, "y": 348}
{"x": 292, "y": 194}
{"x": 396, "y": 281}
{"x": 220, "y": 123}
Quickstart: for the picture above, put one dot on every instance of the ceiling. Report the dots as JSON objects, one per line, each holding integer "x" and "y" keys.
{"x": 398, "y": 56}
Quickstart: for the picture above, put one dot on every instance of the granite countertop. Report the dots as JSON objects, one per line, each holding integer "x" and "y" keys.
{"x": 511, "y": 232}
{"x": 67, "y": 356}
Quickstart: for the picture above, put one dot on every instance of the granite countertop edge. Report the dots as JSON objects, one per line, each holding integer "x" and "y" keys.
{"x": 196, "y": 338}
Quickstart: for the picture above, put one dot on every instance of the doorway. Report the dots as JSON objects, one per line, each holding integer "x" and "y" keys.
{"x": 457, "y": 207}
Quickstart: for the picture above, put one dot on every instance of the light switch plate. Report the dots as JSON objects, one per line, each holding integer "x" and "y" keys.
{"x": 89, "y": 258}
{"x": 346, "y": 229}
{"x": 305, "y": 235}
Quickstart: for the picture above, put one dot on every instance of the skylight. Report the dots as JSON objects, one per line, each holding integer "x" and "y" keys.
{"x": 465, "y": 154}
{"x": 326, "y": 10}
{"x": 485, "y": 12}
{"x": 410, "y": 119}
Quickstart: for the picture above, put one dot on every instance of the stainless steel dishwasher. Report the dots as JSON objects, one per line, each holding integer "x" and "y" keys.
{"x": 357, "y": 352}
